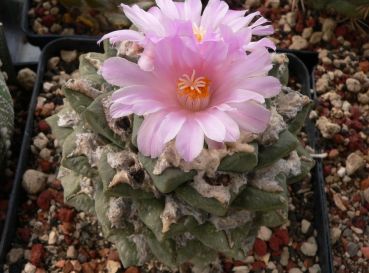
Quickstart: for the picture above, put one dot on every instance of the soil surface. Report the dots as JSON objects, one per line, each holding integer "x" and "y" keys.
{"x": 52, "y": 237}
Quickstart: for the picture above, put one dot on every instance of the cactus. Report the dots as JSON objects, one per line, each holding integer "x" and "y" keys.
{"x": 109, "y": 8}
{"x": 6, "y": 119}
{"x": 180, "y": 216}
{"x": 351, "y": 9}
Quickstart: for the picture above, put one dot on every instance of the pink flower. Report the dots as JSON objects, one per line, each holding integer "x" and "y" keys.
{"x": 170, "y": 18}
{"x": 197, "y": 92}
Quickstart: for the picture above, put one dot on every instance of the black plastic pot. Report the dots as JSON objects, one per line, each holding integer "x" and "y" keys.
{"x": 297, "y": 69}
{"x": 17, "y": 193}
{"x": 305, "y": 75}
{"x": 11, "y": 213}
{"x": 42, "y": 40}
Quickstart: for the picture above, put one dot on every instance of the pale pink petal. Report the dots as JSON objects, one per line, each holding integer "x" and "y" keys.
{"x": 180, "y": 9}
{"x": 213, "y": 14}
{"x": 147, "y": 140}
{"x": 213, "y": 52}
{"x": 121, "y": 72}
{"x": 235, "y": 96}
{"x": 259, "y": 22}
{"x": 123, "y": 35}
{"x": 266, "y": 86}
{"x": 231, "y": 127}
{"x": 146, "y": 62}
{"x": 235, "y": 41}
{"x": 251, "y": 117}
{"x": 232, "y": 15}
{"x": 264, "y": 42}
{"x": 154, "y": 10}
{"x": 212, "y": 127}
{"x": 192, "y": 11}
{"x": 251, "y": 17}
{"x": 257, "y": 63}
{"x": 123, "y": 95}
{"x": 190, "y": 140}
{"x": 118, "y": 110}
{"x": 168, "y": 8}
{"x": 171, "y": 125}
{"x": 214, "y": 144}
{"x": 145, "y": 21}
{"x": 142, "y": 99}
{"x": 148, "y": 107}
{"x": 263, "y": 30}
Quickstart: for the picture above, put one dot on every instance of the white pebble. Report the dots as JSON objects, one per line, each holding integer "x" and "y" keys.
{"x": 264, "y": 233}
{"x": 34, "y": 181}
{"x": 305, "y": 225}
{"x": 309, "y": 248}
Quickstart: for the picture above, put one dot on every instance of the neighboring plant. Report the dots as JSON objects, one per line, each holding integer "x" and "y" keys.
{"x": 6, "y": 119}
{"x": 109, "y": 8}
{"x": 102, "y": 4}
{"x": 195, "y": 150}
{"x": 356, "y": 11}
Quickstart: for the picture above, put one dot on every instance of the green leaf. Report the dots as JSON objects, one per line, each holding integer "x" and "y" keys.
{"x": 195, "y": 199}
{"x": 240, "y": 162}
{"x": 72, "y": 197}
{"x": 307, "y": 163}
{"x": 196, "y": 253}
{"x": 286, "y": 143}
{"x": 149, "y": 211}
{"x": 78, "y": 101}
{"x": 217, "y": 240}
{"x": 94, "y": 115}
{"x": 295, "y": 125}
{"x": 60, "y": 133}
{"x": 258, "y": 200}
{"x": 137, "y": 121}
{"x": 164, "y": 251}
{"x": 281, "y": 72}
{"x": 126, "y": 248}
{"x": 273, "y": 218}
{"x": 88, "y": 71}
{"x": 170, "y": 179}
{"x": 107, "y": 173}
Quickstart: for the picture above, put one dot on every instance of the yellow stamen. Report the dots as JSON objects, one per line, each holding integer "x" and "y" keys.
{"x": 194, "y": 88}
{"x": 193, "y": 92}
{"x": 199, "y": 32}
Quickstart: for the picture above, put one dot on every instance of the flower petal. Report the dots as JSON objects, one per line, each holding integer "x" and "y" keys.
{"x": 168, "y": 8}
{"x": 148, "y": 142}
{"x": 235, "y": 96}
{"x": 192, "y": 11}
{"x": 231, "y": 127}
{"x": 190, "y": 140}
{"x": 213, "y": 14}
{"x": 123, "y": 35}
{"x": 266, "y": 86}
{"x": 145, "y": 21}
{"x": 118, "y": 110}
{"x": 121, "y": 72}
{"x": 251, "y": 117}
{"x": 212, "y": 127}
{"x": 264, "y": 42}
{"x": 171, "y": 125}
{"x": 263, "y": 30}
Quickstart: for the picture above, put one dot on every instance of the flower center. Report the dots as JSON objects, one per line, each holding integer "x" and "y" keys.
{"x": 193, "y": 92}
{"x": 199, "y": 32}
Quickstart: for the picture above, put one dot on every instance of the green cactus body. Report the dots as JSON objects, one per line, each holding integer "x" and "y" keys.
{"x": 109, "y": 9}
{"x": 6, "y": 119}
{"x": 346, "y": 8}
{"x": 179, "y": 216}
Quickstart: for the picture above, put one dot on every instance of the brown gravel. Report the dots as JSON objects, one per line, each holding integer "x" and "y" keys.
{"x": 55, "y": 237}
